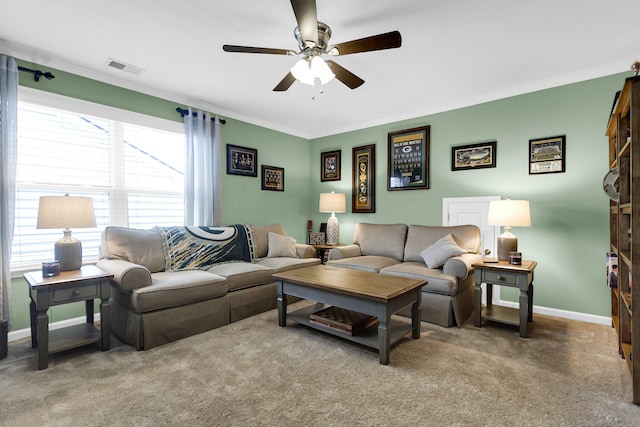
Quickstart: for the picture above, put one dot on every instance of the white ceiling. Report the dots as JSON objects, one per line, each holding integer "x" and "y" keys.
{"x": 454, "y": 52}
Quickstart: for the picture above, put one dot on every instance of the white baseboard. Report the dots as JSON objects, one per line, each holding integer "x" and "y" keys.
{"x": 26, "y": 333}
{"x": 564, "y": 314}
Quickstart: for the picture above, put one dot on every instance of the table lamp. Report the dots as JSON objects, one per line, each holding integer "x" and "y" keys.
{"x": 66, "y": 212}
{"x": 333, "y": 202}
{"x": 508, "y": 213}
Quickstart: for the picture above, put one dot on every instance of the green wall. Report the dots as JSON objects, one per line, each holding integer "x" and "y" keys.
{"x": 569, "y": 213}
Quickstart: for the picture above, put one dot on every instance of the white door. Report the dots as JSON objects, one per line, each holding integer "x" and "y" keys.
{"x": 472, "y": 210}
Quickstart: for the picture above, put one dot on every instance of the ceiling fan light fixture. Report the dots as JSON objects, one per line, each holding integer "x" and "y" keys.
{"x": 320, "y": 69}
{"x": 307, "y": 70}
{"x": 302, "y": 72}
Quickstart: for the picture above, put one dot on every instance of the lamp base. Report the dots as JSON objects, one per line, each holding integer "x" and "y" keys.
{"x": 507, "y": 242}
{"x": 68, "y": 252}
{"x": 333, "y": 230}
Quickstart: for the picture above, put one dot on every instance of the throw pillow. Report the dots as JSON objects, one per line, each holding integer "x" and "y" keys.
{"x": 281, "y": 246}
{"x": 436, "y": 255}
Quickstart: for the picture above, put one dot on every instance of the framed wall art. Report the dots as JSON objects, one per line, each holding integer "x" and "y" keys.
{"x": 242, "y": 161}
{"x": 473, "y": 156}
{"x": 272, "y": 178}
{"x": 330, "y": 166}
{"x": 363, "y": 180}
{"x": 408, "y": 159}
{"x": 547, "y": 155}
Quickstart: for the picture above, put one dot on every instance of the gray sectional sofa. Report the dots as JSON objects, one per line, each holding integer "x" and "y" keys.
{"x": 151, "y": 305}
{"x": 441, "y": 255}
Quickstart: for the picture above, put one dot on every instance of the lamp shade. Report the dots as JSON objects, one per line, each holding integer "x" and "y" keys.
{"x": 513, "y": 213}
{"x": 333, "y": 202}
{"x": 66, "y": 212}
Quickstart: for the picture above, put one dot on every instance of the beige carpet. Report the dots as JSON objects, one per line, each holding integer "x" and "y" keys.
{"x": 255, "y": 373}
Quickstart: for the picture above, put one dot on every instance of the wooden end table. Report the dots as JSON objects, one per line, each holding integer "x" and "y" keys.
{"x": 502, "y": 273}
{"x": 69, "y": 286}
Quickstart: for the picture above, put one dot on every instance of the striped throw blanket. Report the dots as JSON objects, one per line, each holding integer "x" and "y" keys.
{"x": 198, "y": 248}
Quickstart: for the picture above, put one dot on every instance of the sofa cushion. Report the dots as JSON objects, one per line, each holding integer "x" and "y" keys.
{"x": 281, "y": 246}
{"x": 242, "y": 275}
{"x": 443, "y": 249}
{"x": 261, "y": 237}
{"x": 420, "y": 237}
{"x": 386, "y": 240}
{"x": 371, "y": 263}
{"x": 173, "y": 289}
{"x": 285, "y": 264}
{"x": 437, "y": 281}
{"x": 142, "y": 247}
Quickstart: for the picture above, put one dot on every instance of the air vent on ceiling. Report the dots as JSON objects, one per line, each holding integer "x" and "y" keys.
{"x": 123, "y": 66}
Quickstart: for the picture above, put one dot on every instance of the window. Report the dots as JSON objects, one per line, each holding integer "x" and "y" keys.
{"x": 134, "y": 172}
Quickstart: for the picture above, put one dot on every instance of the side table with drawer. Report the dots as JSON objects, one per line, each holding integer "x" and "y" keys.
{"x": 85, "y": 284}
{"x": 502, "y": 273}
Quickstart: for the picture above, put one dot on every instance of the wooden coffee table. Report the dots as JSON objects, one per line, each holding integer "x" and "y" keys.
{"x": 374, "y": 294}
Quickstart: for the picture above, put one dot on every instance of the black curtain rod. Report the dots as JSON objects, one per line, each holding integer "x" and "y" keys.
{"x": 184, "y": 112}
{"x": 37, "y": 73}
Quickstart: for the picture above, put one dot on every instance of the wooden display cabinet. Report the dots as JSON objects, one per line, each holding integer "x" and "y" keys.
{"x": 623, "y": 131}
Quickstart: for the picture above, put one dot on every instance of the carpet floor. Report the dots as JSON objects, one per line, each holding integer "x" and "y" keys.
{"x": 254, "y": 373}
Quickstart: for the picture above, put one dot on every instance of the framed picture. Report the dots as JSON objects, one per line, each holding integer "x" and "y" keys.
{"x": 408, "y": 159}
{"x": 242, "y": 161}
{"x": 330, "y": 166}
{"x": 473, "y": 156}
{"x": 363, "y": 180}
{"x": 272, "y": 178}
{"x": 316, "y": 239}
{"x": 547, "y": 155}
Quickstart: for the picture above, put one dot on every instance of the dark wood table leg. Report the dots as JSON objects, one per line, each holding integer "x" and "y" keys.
{"x": 33, "y": 314}
{"x": 477, "y": 304}
{"x": 531, "y": 302}
{"x": 43, "y": 339}
{"x": 524, "y": 311}
{"x": 384, "y": 337}
{"x": 416, "y": 315}
{"x": 282, "y": 306}
{"x": 105, "y": 323}
{"x": 88, "y": 309}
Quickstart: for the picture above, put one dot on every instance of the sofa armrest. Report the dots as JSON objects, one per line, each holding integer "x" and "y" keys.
{"x": 460, "y": 266}
{"x": 127, "y": 275}
{"x": 347, "y": 251}
{"x": 305, "y": 251}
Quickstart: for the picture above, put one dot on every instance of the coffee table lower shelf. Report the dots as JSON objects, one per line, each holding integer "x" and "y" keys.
{"x": 399, "y": 327}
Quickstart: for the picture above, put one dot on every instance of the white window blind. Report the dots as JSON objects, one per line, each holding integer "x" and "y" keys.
{"x": 134, "y": 173}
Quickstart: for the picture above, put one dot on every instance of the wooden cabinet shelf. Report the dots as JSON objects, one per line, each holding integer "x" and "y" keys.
{"x": 623, "y": 131}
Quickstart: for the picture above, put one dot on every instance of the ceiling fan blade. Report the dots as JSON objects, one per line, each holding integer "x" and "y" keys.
{"x": 344, "y": 75}
{"x": 249, "y": 49}
{"x": 285, "y": 83}
{"x": 307, "y": 17}
{"x": 381, "y": 41}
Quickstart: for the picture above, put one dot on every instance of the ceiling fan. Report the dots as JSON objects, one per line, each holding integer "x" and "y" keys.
{"x": 313, "y": 38}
